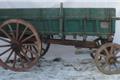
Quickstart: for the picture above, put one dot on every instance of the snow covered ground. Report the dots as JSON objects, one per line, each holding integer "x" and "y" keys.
{"x": 61, "y": 63}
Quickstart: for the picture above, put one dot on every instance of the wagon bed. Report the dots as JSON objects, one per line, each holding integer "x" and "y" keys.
{"x": 82, "y": 21}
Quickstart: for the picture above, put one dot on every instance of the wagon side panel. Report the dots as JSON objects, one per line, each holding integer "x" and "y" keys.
{"x": 89, "y": 21}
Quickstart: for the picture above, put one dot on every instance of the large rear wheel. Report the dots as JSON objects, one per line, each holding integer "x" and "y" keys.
{"x": 18, "y": 37}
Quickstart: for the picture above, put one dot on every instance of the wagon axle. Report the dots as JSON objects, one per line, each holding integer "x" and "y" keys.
{"x": 76, "y": 43}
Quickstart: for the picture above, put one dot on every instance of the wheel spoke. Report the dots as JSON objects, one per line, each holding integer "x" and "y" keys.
{"x": 17, "y": 31}
{"x": 20, "y": 55}
{"x": 26, "y": 51}
{"x": 106, "y": 51}
{"x": 8, "y": 36}
{"x": 4, "y": 40}
{"x": 5, "y": 51}
{"x": 117, "y": 51}
{"x": 109, "y": 67}
{"x": 11, "y": 31}
{"x": 7, "y": 60}
{"x": 103, "y": 55}
{"x": 118, "y": 61}
{"x": 35, "y": 49}
{"x": 22, "y": 63}
{"x": 27, "y": 38}
{"x": 5, "y": 45}
{"x": 26, "y": 57}
{"x": 23, "y": 33}
{"x": 104, "y": 65}
{"x": 15, "y": 58}
{"x": 29, "y": 50}
{"x": 115, "y": 65}
{"x": 111, "y": 50}
{"x": 117, "y": 57}
{"x": 21, "y": 58}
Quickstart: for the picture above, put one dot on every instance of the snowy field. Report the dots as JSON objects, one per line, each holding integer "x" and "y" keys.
{"x": 61, "y": 63}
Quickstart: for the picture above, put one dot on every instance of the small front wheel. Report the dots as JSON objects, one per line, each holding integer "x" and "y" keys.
{"x": 107, "y": 58}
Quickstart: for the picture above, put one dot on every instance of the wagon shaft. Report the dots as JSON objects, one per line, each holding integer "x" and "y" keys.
{"x": 76, "y": 43}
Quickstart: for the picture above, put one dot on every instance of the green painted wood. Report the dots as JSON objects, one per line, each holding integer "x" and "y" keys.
{"x": 82, "y": 21}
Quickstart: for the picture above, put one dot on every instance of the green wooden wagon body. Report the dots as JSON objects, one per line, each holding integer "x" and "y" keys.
{"x": 81, "y": 21}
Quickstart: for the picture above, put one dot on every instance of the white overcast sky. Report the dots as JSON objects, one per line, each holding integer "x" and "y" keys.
{"x": 66, "y": 0}
{"x": 56, "y": 3}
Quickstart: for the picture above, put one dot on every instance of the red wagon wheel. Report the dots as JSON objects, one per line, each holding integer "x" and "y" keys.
{"x": 45, "y": 45}
{"x": 45, "y": 48}
{"x": 18, "y": 37}
{"x": 107, "y": 58}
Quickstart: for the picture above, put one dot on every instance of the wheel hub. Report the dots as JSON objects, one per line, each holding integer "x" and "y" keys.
{"x": 16, "y": 46}
{"x": 111, "y": 60}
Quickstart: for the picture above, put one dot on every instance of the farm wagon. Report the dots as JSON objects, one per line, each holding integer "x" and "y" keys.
{"x": 28, "y": 32}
